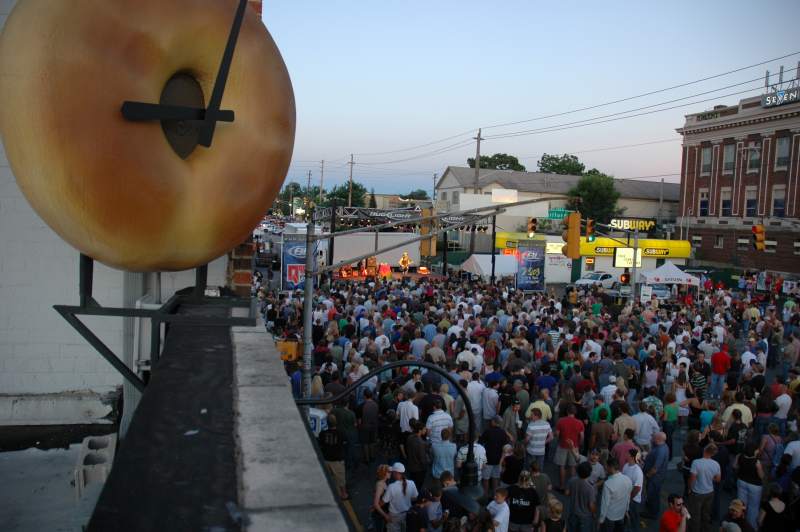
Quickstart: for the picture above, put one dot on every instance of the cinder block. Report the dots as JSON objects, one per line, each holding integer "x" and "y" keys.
{"x": 94, "y": 463}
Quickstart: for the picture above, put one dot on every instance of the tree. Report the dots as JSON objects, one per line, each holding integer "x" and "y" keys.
{"x": 418, "y": 194}
{"x": 595, "y": 197}
{"x": 340, "y": 192}
{"x": 373, "y": 204}
{"x": 561, "y": 164}
{"x": 290, "y": 190}
{"x": 498, "y": 161}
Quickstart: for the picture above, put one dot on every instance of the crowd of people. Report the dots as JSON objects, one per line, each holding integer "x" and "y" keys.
{"x": 584, "y": 406}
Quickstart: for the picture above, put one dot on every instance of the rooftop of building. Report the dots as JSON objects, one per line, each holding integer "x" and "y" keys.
{"x": 540, "y": 182}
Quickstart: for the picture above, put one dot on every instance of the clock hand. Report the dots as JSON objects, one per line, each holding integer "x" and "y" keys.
{"x": 139, "y": 111}
{"x": 207, "y": 130}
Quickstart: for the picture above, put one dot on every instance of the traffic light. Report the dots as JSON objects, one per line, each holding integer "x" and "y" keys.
{"x": 625, "y": 278}
{"x": 532, "y": 226}
{"x": 758, "y": 237}
{"x": 572, "y": 236}
{"x": 590, "y": 230}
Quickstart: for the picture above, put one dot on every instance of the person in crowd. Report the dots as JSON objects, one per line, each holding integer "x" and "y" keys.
{"x": 705, "y": 475}
{"x": 615, "y": 499}
{"x": 523, "y": 502}
{"x": 332, "y": 446}
{"x": 676, "y": 515}
{"x": 399, "y": 495}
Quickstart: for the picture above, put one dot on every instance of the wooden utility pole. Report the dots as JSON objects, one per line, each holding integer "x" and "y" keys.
{"x": 475, "y": 186}
{"x": 350, "y": 191}
{"x": 433, "y": 196}
{"x": 321, "y": 175}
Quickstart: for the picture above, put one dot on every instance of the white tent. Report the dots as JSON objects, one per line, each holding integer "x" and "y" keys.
{"x": 668, "y": 273}
{"x": 482, "y": 265}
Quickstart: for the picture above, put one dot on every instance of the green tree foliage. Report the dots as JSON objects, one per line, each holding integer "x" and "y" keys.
{"x": 561, "y": 164}
{"x": 418, "y": 194}
{"x": 498, "y": 161}
{"x": 595, "y": 197}
{"x": 289, "y": 191}
{"x": 339, "y": 193}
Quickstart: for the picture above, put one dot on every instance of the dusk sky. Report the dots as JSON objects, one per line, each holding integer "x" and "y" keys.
{"x": 380, "y": 76}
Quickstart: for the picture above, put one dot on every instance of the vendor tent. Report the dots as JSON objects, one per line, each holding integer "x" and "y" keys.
{"x": 668, "y": 273}
{"x": 482, "y": 265}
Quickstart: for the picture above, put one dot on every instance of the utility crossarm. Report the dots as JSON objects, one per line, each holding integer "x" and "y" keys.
{"x": 476, "y": 210}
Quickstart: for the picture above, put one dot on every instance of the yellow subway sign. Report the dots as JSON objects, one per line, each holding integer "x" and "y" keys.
{"x": 651, "y": 247}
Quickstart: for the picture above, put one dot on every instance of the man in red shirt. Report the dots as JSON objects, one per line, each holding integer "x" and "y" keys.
{"x": 674, "y": 519}
{"x": 720, "y": 364}
{"x": 569, "y": 431}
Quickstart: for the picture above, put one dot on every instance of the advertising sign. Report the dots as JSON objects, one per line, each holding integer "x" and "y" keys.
{"x": 629, "y": 224}
{"x": 293, "y": 263}
{"x": 623, "y": 258}
{"x": 645, "y": 293}
{"x": 530, "y": 267}
{"x": 776, "y": 97}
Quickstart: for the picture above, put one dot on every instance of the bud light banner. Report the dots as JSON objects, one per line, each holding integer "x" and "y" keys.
{"x": 530, "y": 267}
{"x": 293, "y": 262}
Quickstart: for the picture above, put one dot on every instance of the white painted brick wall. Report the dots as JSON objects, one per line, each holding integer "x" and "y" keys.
{"x": 39, "y": 351}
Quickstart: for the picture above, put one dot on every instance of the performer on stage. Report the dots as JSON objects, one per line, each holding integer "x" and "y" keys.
{"x": 405, "y": 261}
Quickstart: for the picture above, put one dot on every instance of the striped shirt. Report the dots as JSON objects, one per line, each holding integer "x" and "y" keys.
{"x": 537, "y": 437}
{"x": 438, "y": 421}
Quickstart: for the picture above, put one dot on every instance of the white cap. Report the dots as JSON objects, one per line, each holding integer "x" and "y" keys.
{"x": 612, "y": 379}
{"x": 398, "y": 468}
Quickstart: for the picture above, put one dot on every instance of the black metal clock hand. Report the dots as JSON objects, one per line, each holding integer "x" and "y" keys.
{"x": 140, "y": 111}
{"x": 212, "y": 112}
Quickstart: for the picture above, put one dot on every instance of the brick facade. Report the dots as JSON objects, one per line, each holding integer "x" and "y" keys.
{"x": 731, "y": 179}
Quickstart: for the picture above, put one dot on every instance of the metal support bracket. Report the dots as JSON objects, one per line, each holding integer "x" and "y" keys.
{"x": 164, "y": 314}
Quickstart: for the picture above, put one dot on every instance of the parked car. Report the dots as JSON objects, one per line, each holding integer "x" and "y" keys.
{"x": 606, "y": 280}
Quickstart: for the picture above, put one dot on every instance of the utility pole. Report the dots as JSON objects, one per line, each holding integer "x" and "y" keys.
{"x": 350, "y": 191}
{"x": 635, "y": 260}
{"x": 308, "y": 294}
{"x": 309, "y": 199}
{"x": 660, "y": 201}
{"x": 433, "y": 195}
{"x": 475, "y": 186}
{"x": 321, "y": 174}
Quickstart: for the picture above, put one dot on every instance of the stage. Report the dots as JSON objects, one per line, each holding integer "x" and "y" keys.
{"x": 395, "y": 276}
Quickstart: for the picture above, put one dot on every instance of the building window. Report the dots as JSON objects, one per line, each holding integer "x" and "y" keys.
{"x": 697, "y": 241}
{"x": 702, "y": 207}
{"x": 719, "y": 241}
{"x": 779, "y": 201}
{"x": 743, "y": 244}
{"x": 455, "y": 197}
{"x": 782, "y": 153}
{"x": 770, "y": 246}
{"x": 443, "y": 195}
{"x": 725, "y": 201}
{"x": 728, "y": 158}
{"x": 753, "y": 158}
{"x": 797, "y": 247}
{"x": 705, "y": 165}
{"x": 751, "y": 201}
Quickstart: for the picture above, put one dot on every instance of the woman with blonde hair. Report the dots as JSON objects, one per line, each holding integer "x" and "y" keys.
{"x": 444, "y": 392}
{"x": 379, "y": 508}
{"x": 554, "y": 521}
{"x": 317, "y": 388}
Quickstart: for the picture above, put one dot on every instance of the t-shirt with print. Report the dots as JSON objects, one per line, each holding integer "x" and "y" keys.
{"x": 523, "y": 503}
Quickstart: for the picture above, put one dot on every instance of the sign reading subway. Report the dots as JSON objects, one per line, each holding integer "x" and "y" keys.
{"x": 631, "y": 224}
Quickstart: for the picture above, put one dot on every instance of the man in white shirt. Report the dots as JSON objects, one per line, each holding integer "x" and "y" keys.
{"x": 784, "y": 402}
{"x": 609, "y": 390}
{"x": 382, "y": 341}
{"x": 499, "y": 510}
{"x": 635, "y": 473}
{"x": 407, "y": 411}
{"x": 793, "y": 448}
{"x": 646, "y": 426}
{"x": 475, "y": 395}
{"x": 490, "y": 399}
{"x": 466, "y": 356}
{"x": 479, "y": 452}
{"x": 616, "y": 497}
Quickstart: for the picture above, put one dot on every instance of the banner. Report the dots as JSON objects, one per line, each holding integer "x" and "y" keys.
{"x": 530, "y": 267}
{"x": 293, "y": 263}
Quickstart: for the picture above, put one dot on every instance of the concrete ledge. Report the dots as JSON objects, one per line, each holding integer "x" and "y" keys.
{"x": 282, "y": 484}
{"x": 68, "y": 408}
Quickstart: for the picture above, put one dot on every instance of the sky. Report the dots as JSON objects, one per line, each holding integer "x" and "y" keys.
{"x": 385, "y": 76}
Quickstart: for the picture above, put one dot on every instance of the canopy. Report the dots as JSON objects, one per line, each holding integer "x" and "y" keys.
{"x": 668, "y": 273}
{"x": 482, "y": 265}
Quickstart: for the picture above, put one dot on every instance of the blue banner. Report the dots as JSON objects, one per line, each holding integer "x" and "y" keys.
{"x": 293, "y": 263}
{"x": 530, "y": 267}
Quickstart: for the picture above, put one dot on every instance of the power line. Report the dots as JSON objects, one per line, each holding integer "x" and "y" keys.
{"x": 642, "y": 95}
{"x": 419, "y": 145}
{"x": 609, "y": 148}
{"x": 424, "y": 155}
{"x": 550, "y": 129}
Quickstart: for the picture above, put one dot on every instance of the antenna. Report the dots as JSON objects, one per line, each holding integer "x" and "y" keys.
{"x": 780, "y": 75}
{"x": 766, "y": 80}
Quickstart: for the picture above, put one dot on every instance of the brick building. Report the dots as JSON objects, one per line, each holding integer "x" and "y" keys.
{"x": 740, "y": 167}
